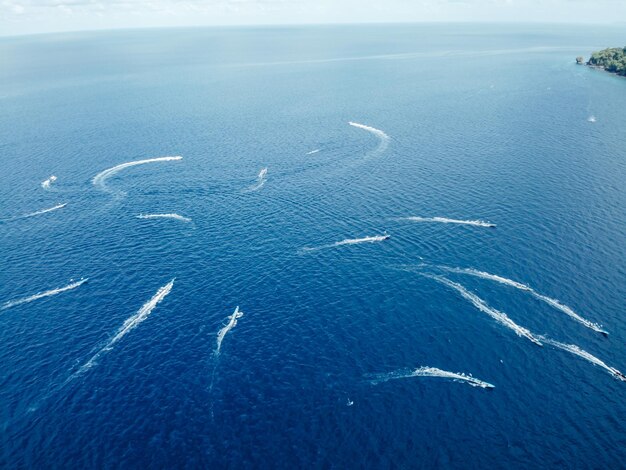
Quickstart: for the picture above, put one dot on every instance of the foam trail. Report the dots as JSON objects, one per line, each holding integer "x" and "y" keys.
{"x": 312, "y": 152}
{"x": 351, "y": 241}
{"x": 34, "y": 214}
{"x": 261, "y": 179}
{"x": 354, "y": 241}
{"x": 46, "y": 184}
{"x": 432, "y": 372}
{"x": 384, "y": 138}
{"x": 41, "y": 295}
{"x": 130, "y": 324}
{"x": 164, "y": 216}
{"x": 413, "y": 55}
{"x": 100, "y": 178}
{"x": 377, "y": 132}
{"x": 488, "y": 276}
{"x": 518, "y": 285}
{"x": 568, "y": 311}
{"x": 573, "y": 349}
{"x": 481, "y": 305}
{"x": 445, "y": 220}
{"x": 232, "y": 321}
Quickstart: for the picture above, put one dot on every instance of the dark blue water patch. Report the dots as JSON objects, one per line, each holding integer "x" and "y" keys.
{"x": 484, "y": 123}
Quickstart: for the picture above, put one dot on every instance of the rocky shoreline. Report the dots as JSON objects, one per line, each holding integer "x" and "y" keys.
{"x": 612, "y": 60}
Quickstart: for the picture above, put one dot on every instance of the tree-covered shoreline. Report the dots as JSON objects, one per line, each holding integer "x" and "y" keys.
{"x": 612, "y": 60}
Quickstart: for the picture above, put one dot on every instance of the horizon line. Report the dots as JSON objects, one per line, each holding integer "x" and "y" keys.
{"x": 301, "y": 25}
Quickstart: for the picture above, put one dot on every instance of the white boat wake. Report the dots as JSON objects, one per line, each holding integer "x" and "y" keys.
{"x": 350, "y": 241}
{"x": 41, "y": 295}
{"x": 354, "y": 241}
{"x": 431, "y": 372}
{"x": 101, "y": 178}
{"x": 164, "y": 216}
{"x": 488, "y": 276}
{"x": 481, "y": 305}
{"x": 46, "y": 184}
{"x": 130, "y": 324}
{"x": 36, "y": 213}
{"x": 384, "y": 138}
{"x": 230, "y": 324}
{"x": 518, "y": 285}
{"x": 573, "y": 349}
{"x": 445, "y": 220}
{"x": 44, "y": 211}
{"x": 312, "y": 152}
{"x": 261, "y": 179}
{"x": 232, "y": 321}
{"x": 377, "y": 132}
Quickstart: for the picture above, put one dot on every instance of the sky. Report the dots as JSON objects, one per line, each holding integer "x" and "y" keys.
{"x": 40, "y": 16}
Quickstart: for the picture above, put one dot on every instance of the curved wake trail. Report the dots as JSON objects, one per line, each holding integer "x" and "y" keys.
{"x": 100, "y": 178}
{"x": 573, "y": 349}
{"x": 432, "y": 372}
{"x": 568, "y": 311}
{"x": 232, "y": 321}
{"x": 130, "y": 324}
{"x": 350, "y": 241}
{"x": 377, "y": 132}
{"x": 518, "y": 285}
{"x": 41, "y": 295}
{"x": 481, "y": 305}
{"x": 164, "y": 216}
{"x": 445, "y": 220}
{"x": 384, "y": 138}
{"x": 261, "y": 179}
{"x": 46, "y": 184}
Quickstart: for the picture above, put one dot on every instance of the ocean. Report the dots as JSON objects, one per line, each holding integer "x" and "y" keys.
{"x": 391, "y": 208}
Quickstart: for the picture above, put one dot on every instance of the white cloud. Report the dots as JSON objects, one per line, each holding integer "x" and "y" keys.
{"x": 28, "y": 16}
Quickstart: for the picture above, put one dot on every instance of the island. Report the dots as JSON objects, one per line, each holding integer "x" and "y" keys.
{"x": 612, "y": 60}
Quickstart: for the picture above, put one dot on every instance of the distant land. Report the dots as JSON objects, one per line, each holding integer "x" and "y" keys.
{"x": 612, "y": 60}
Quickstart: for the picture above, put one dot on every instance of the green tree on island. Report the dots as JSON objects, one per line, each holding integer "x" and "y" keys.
{"x": 612, "y": 60}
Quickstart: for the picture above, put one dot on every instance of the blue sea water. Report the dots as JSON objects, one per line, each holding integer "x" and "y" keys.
{"x": 483, "y": 122}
